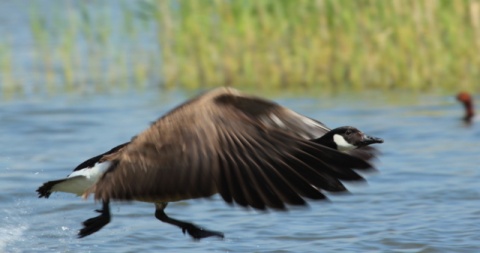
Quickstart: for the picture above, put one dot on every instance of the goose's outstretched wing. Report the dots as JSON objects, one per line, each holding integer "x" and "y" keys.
{"x": 251, "y": 151}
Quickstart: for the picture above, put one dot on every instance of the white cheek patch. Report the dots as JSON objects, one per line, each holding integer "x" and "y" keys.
{"x": 342, "y": 144}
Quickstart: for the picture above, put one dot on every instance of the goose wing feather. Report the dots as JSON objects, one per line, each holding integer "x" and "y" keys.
{"x": 227, "y": 143}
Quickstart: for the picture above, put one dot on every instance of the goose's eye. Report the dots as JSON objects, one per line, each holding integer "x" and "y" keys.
{"x": 348, "y": 132}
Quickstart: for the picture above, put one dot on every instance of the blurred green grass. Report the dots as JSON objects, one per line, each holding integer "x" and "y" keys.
{"x": 418, "y": 45}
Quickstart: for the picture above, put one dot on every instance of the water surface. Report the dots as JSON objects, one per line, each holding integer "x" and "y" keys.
{"x": 425, "y": 197}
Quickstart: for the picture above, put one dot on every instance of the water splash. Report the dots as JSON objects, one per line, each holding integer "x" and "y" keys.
{"x": 12, "y": 230}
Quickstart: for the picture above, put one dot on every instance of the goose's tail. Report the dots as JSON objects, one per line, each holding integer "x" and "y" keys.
{"x": 45, "y": 190}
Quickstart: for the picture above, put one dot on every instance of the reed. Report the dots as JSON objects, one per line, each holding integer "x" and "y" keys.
{"x": 333, "y": 45}
{"x": 9, "y": 85}
{"x": 80, "y": 46}
{"x": 336, "y": 44}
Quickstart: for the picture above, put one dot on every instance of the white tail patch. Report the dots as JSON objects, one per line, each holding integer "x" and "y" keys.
{"x": 81, "y": 180}
{"x": 342, "y": 144}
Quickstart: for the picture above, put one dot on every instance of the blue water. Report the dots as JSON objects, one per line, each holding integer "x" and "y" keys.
{"x": 425, "y": 197}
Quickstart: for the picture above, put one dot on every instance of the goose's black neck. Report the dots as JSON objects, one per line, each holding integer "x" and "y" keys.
{"x": 327, "y": 140}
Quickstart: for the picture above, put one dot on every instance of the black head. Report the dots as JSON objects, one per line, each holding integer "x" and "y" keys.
{"x": 347, "y": 138}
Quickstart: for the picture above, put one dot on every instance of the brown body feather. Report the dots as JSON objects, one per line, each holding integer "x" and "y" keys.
{"x": 251, "y": 151}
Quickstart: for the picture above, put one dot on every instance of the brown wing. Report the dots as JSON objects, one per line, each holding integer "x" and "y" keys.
{"x": 275, "y": 116}
{"x": 230, "y": 144}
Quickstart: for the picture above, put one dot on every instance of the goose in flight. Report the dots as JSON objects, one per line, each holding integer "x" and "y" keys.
{"x": 251, "y": 151}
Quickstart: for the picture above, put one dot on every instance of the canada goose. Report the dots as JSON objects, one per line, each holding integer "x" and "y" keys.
{"x": 251, "y": 151}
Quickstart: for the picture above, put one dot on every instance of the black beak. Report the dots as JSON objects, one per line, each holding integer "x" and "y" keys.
{"x": 367, "y": 140}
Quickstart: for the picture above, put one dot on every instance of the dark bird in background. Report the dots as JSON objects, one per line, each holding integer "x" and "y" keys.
{"x": 251, "y": 151}
{"x": 466, "y": 99}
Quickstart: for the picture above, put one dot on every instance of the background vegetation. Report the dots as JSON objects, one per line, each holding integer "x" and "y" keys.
{"x": 269, "y": 44}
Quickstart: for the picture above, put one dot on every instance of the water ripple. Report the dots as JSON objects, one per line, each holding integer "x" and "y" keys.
{"x": 424, "y": 198}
